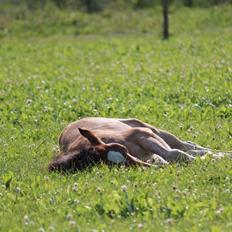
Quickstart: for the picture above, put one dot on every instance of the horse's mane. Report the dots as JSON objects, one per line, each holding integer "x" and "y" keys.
{"x": 75, "y": 160}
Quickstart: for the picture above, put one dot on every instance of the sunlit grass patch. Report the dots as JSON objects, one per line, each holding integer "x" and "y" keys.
{"x": 182, "y": 85}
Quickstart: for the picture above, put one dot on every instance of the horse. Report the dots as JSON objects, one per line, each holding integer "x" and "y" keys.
{"x": 113, "y": 141}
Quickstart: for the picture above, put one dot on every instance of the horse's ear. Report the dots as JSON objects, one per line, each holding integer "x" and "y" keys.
{"x": 93, "y": 139}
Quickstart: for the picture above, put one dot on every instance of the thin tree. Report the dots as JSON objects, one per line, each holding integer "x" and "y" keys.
{"x": 189, "y": 3}
{"x": 165, "y": 19}
{"x": 91, "y": 5}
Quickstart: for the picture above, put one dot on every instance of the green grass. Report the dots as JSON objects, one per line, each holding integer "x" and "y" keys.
{"x": 19, "y": 21}
{"x": 182, "y": 85}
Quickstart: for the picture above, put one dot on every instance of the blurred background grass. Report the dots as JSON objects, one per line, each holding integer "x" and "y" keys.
{"x": 81, "y": 17}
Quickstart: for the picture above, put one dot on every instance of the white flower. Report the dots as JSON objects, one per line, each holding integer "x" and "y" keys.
{"x": 72, "y": 223}
{"x": 18, "y": 190}
{"x": 26, "y": 220}
{"x": 76, "y": 201}
{"x": 41, "y": 229}
{"x": 75, "y": 187}
{"x": 29, "y": 101}
{"x": 69, "y": 216}
{"x": 98, "y": 189}
{"x": 124, "y": 188}
{"x": 220, "y": 210}
{"x": 51, "y": 228}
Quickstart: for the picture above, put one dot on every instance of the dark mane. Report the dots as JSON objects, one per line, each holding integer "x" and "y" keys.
{"x": 74, "y": 161}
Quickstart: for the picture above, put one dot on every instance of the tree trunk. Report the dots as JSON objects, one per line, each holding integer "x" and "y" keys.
{"x": 91, "y": 5}
{"x": 189, "y": 3}
{"x": 165, "y": 19}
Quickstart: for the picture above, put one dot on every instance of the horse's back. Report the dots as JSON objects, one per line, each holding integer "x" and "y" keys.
{"x": 97, "y": 125}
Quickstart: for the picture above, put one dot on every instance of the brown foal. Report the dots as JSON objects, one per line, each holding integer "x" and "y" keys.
{"x": 129, "y": 142}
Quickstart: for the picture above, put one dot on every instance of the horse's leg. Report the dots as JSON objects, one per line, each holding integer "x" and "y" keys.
{"x": 152, "y": 143}
{"x": 173, "y": 141}
{"x": 176, "y": 143}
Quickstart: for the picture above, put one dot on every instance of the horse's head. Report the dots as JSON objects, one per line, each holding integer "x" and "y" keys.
{"x": 94, "y": 152}
{"x": 112, "y": 153}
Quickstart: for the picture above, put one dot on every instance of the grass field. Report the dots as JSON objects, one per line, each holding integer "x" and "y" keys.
{"x": 183, "y": 85}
